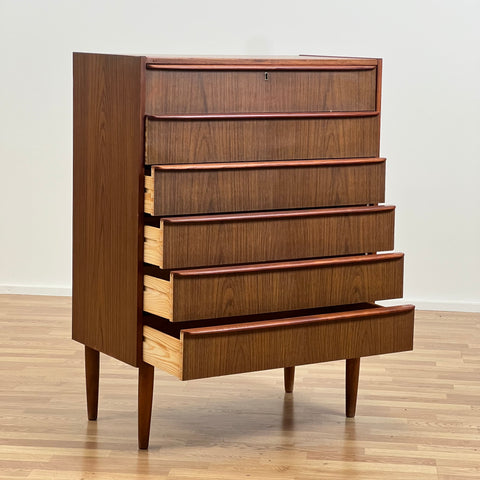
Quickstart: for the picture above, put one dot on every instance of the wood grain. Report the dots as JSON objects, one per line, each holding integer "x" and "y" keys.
{"x": 195, "y": 241}
{"x": 281, "y": 61}
{"x": 250, "y": 289}
{"x": 278, "y": 344}
{"x": 221, "y": 355}
{"x": 157, "y": 296}
{"x": 153, "y": 245}
{"x": 107, "y": 199}
{"x": 250, "y": 186}
{"x": 163, "y": 351}
{"x": 417, "y": 414}
{"x": 233, "y": 91}
{"x": 203, "y": 141}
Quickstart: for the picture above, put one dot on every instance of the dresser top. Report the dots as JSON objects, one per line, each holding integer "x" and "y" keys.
{"x": 291, "y": 60}
{"x": 262, "y": 60}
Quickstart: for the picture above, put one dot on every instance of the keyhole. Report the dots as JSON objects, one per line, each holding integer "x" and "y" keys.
{"x": 266, "y": 75}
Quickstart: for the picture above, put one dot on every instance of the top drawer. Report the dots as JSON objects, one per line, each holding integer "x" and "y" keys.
{"x": 179, "y": 90}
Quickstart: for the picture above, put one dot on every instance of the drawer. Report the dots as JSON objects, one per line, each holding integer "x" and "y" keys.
{"x": 173, "y": 139}
{"x": 250, "y": 186}
{"x": 233, "y": 91}
{"x": 195, "y": 294}
{"x": 196, "y": 241}
{"x": 277, "y": 341}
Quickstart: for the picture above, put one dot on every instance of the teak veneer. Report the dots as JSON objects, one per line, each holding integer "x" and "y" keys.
{"x": 181, "y": 90}
{"x": 196, "y": 241}
{"x": 199, "y": 352}
{"x": 173, "y": 140}
{"x": 255, "y": 186}
{"x": 281, "y": 286}
{"x": 227, "y": 218}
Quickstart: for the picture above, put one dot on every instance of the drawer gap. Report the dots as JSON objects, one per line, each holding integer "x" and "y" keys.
{"x": 174, "y": 328}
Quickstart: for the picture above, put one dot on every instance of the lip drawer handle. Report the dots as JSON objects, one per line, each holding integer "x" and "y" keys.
{"x": 251, "y": 67}
{"x": 264, "y": 115}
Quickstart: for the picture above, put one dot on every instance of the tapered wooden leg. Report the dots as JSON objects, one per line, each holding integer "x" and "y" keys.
{"x": 351, "y": 385}
{"x": 289, "y": 378}
{"x": 92, "y": 371}
{"x": 145, "y": 397}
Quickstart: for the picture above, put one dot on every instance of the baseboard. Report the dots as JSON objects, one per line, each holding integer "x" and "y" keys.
{"x": 437, "y": 305}
{"x": 36, "y": 290}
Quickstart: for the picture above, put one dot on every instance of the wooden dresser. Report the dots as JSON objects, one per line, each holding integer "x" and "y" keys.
{"x": 227, "y": 218}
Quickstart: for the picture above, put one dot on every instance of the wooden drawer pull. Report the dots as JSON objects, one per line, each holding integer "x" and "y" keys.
{"x": 264, "y": 116}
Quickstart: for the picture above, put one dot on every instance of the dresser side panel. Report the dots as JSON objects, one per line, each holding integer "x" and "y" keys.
{"x": 107, "y": 204}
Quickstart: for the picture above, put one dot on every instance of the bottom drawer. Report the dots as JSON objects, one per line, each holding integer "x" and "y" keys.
{"x": 246, "y": 344}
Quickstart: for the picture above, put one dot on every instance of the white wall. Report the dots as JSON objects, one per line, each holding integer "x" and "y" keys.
{"x": 430, "y": 123}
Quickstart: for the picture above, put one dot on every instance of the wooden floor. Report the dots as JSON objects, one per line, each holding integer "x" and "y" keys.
{"x": 418, "y": 414}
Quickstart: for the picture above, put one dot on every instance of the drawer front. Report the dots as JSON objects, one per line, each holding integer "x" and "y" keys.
{"x": 175, "y": 140}
{"x": 283, "y": 342}
{"x": 250, "y": 186}
{"x": 229, "y": 91}
{"x": 197, "y": 241}
{"x": 258, "y": 288}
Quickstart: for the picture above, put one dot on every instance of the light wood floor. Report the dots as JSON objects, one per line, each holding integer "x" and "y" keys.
{"x": 418, "y": 414}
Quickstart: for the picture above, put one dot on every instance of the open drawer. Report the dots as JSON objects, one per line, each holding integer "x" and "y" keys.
{"x": 255, "y": 186}
{"x": 276, "y": 341}
{"x": 250, "y": 289}
{"x": 228, "y": 239}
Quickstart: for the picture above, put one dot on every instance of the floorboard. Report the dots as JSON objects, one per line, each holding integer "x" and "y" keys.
{"x": 418, "y": 413}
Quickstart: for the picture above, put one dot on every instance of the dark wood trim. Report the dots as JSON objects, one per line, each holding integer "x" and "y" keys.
{"x": 337, "y": 57}
{"x": 279, "y": 214}
{"x": 294, "y": 61}
{"x": 146, "y": 375}
{"x": 288, "y": 378}
{"x": 263, "y": 116}
{"x": 92, "y": 373}
{"x": 265, "y": 267}
{"x": 280, "y": 164}
{"x": 158, "y": 66}
{"x": 374, "y": 311}
{"x": 174, "y": 328}
{"x": 378, "y": 105}
{"x": 352, "y": 372}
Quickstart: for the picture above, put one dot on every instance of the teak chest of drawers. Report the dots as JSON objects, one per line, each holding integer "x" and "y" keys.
{"x": 227, "y": 218}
